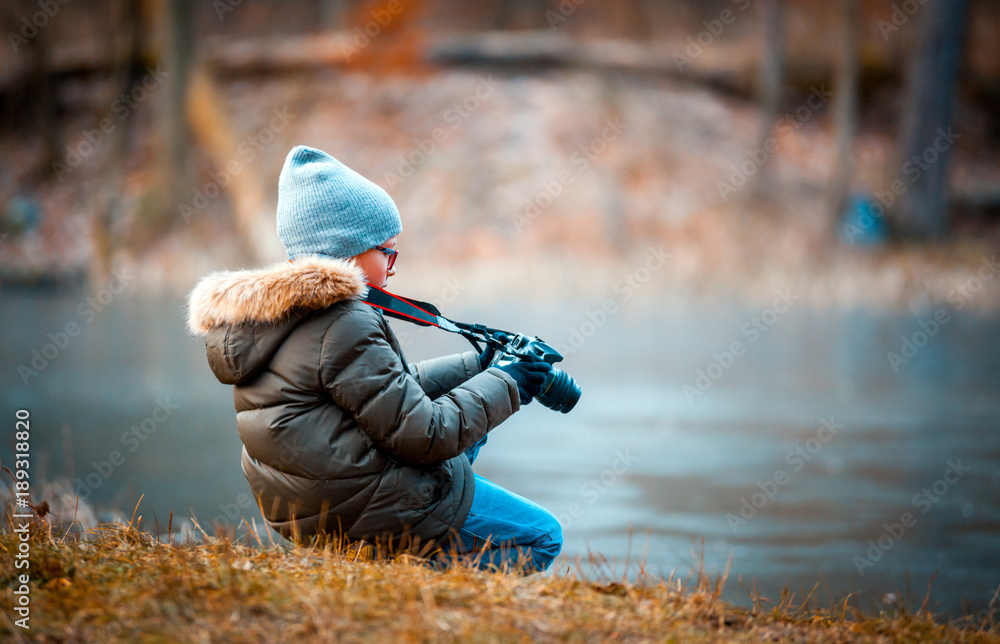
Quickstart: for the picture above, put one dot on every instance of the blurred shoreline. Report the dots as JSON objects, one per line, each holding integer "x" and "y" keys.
{"x": 526, "y": 218}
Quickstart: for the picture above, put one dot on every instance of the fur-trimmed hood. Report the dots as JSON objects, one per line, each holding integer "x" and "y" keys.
{"x": 247, "y": 315}
{"x": 269, "y": 295}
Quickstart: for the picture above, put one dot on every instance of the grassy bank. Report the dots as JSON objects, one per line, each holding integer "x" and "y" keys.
{"x": 120, "y": 584}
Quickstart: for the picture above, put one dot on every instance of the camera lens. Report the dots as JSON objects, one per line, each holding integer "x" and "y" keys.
{"x": 560, "y": 392}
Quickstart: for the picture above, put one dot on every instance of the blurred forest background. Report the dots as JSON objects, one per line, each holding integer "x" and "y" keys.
{"x": 849, "y": 149}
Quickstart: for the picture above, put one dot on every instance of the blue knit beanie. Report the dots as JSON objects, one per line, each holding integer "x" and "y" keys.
{"x": 325, "y": 208}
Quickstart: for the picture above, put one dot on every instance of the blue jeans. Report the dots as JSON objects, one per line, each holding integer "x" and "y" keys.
{"x": 507, "y": 525}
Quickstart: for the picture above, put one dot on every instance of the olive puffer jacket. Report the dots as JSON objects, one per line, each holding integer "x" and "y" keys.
{"x": 339, "y": 433}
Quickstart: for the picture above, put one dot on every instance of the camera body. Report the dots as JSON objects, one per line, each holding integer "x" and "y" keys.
{"x": 525, "y": 347}
{"x": 560, "y": 392}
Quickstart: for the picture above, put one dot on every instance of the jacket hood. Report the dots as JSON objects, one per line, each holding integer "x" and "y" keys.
{"x": 246, "y": 315}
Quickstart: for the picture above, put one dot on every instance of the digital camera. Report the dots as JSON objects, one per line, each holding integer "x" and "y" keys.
{"x": 560, "y": 392}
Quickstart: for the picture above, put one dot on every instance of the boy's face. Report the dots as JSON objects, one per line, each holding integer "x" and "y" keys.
{"x": 375, "y": 264}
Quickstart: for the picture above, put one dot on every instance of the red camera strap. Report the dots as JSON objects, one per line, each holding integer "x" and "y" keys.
{"x": 404, "y": 308}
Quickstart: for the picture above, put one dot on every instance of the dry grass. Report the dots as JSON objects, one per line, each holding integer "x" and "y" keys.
{"x": 118, "y": 583}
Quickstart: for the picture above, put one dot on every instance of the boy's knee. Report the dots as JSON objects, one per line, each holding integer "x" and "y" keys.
{"x": 544, "y": 554}
{"x": 549, "y": 545}
{"x": 555, "y": 535}
{"x": 555, "y": 543}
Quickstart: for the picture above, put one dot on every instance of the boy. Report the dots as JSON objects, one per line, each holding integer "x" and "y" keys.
{"x": 339, "y": 434}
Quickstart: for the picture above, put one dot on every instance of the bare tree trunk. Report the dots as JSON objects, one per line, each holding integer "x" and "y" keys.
{"x": 31, "y": 92}
{"x": 926, "y": 136}
{"x": 845, "y": 107}
{"x": 175, "y": 142}
{"x": 46, "y": 98}
{"x": 109, "y": 202}
{"x": 610, "y": 183}
{"x": 334, "y": 14}
{"x": 501, "y": 15}
{"x": 519, "y": 14}
{"x": 770, "y": 72}
{"x": 636, "y": 23}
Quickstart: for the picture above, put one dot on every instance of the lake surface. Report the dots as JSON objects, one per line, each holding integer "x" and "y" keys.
{"x": 802, "y": 452}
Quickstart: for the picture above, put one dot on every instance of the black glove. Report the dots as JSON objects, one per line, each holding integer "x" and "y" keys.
{"x": 486, "y": 357}
{"x": 529, "y": 376}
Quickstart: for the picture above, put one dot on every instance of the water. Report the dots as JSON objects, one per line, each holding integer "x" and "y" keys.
{"x": 804, "y": 456}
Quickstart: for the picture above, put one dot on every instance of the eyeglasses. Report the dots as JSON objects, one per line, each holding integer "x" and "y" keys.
{"x": 391, "y": 252}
